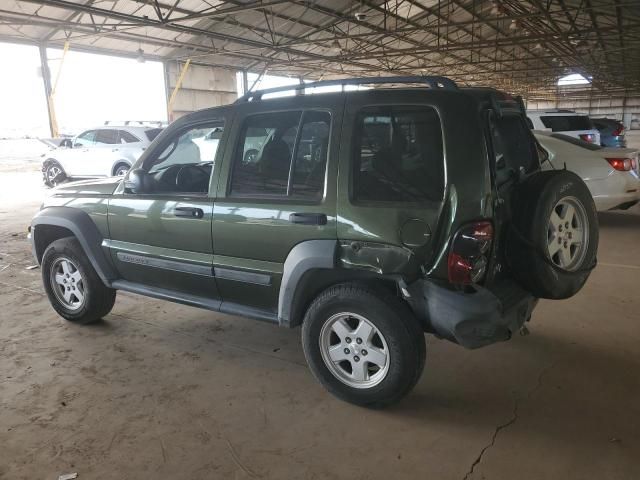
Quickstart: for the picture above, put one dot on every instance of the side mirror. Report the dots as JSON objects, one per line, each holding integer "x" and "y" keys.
{"x": 66, "y": 143}
{"x": 137, "y": 181}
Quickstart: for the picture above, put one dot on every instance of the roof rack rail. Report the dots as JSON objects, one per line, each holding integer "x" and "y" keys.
{"x": 435, "y": 82}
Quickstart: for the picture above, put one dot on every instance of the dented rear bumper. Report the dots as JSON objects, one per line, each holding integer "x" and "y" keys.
{"x": 474, "y": 319}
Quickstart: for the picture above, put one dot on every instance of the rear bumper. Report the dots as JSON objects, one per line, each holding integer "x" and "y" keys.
{"x": 472, "y": 320}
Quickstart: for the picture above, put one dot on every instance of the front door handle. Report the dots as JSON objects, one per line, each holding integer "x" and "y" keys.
{"x": 188, "y": 212}
{"x": 308, "y": 218}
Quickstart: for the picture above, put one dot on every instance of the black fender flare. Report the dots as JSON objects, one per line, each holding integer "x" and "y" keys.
{"x": 304, "y": 257}
{"x": 80, "y": 224}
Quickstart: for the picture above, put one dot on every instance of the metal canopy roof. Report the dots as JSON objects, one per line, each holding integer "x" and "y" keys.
{"x": 519, "y": 46}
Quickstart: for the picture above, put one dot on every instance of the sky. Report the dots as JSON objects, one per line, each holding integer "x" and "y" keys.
{"x": 91, "y": 89}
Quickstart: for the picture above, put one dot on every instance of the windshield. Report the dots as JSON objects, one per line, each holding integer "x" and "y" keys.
{"x": 576, "y": 141}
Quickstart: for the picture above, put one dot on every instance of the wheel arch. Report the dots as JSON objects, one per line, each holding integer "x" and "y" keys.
{"x": 310, "y": 268}
{"x": 119, "y": 162}
{"x": 53, "y": 223}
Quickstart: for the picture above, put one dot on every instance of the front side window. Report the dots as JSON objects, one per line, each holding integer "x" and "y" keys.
{"x": 107, "y": 137}
{"x": 282, "y": 154}
{"x": 398, "y": 155}
{"x": 185, "y": 164}
{"x": 86, "y": 139}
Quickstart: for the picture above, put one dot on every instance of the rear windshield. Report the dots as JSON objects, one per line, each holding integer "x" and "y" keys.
{"x": 152, "y": 133}
{"x": 566, "y": 123}
{"x": 398, "y": 155}
{"x": 576, "y": 141}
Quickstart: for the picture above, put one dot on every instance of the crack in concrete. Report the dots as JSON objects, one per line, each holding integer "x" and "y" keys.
{"x": 508, "y": 423}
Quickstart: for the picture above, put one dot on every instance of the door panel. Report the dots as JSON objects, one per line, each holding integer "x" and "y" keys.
{"x": 154, "y": 244}
{"x": 252, "y": 235}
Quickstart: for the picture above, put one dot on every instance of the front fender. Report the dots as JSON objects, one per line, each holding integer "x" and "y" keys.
{"x": 80, "y": 224}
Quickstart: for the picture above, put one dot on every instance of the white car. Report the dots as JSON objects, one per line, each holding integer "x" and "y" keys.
{"x": 105, "y": 151}
{"x": 568, "y": 122}
{"x": 612, "y": 174}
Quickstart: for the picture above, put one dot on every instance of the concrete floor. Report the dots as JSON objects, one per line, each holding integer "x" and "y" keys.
{"x": 159, "y": 390}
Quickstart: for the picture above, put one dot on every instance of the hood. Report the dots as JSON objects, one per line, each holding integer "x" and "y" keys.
{"x": 102, "y": 186}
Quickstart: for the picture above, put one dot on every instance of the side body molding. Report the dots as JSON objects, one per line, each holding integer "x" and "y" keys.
{"x": 304, "y": 257}
{"x": 83, "y": 228}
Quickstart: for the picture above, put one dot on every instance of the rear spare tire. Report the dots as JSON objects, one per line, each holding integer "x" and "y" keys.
{"x": 553, "y": 239}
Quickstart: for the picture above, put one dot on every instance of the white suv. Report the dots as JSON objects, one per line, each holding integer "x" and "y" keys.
{"x": 106, "y": 151}
{"x": 567, "y": 122}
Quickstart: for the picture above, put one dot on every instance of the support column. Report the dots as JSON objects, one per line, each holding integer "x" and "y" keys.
{"x": 245, "y": 82}
{"x": 46, "y": 81}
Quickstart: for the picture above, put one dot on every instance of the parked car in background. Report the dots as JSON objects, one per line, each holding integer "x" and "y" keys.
{"x": 611, "y": 174}
{"x": 106, "y": 151}
{"x": 611, "y": 132}
{"x": 571, "y": 123}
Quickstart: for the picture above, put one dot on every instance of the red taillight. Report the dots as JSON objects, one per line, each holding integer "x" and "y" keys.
{"x": 621, "y": 164}
{"x": 618, "y": 131}
{"x": 468, "y": 254}
{"x": 587, "y": 137}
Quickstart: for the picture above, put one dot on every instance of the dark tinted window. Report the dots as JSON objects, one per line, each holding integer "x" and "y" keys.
{"x": 268, "y": 144}
{"x": 513, "y": 145}
{"x": 398, "y": 155}
{"x": 108, "y": 137}
{"x": 152, "y": 133}
{"x": 576, "y": 141}
{"x": 565, "y": 123}
{"x": 126, "y": 137}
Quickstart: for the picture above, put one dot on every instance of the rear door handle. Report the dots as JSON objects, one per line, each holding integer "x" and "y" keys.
{"x": 189, "y": 212}
{"x": 308, "y": 218}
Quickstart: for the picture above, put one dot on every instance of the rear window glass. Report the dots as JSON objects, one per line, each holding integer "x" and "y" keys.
{"x": 566, "y": 123}
{"x": 398, "y": 155}
{"x": 576, "y": 141}
{"x": 513, "y": 146}
{"x": 152, "y": 133}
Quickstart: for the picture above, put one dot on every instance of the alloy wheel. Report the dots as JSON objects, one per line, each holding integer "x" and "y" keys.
{"x": 67, "y": 283}
{"x": 354, "y": 350}
{"x": 568, "y": 234}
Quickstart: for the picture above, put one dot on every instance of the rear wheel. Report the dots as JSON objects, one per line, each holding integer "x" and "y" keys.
{"x": 364, "y": 345}
{"x": 74, "y": 289}
{"x": 121, "y": 170}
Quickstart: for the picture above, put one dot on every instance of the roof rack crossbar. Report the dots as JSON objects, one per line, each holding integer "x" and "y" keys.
{"x": 435, "y": 82}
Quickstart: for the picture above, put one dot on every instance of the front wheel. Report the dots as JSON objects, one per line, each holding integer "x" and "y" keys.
{"x": 121, "y": 170}
{"x": 53, "y": 174}
{"x": 364, "y": 346}
{"x": 74, "y": 289}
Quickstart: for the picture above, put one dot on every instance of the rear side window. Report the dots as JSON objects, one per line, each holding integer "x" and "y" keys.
{"x": 282, "y": 154}
{"x": 126, "y": 137}
{"x": 152, "y": 133}
{"x": 398, "y": 155}
{"x": 565, "y": 123}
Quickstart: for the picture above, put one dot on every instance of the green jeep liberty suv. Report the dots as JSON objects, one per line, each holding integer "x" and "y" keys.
{"x": 367, "y": 216}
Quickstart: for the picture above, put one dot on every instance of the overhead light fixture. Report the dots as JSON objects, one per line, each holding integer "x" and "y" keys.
{"x": 538, "y": 46}
{"x": 495, "y": 8}
{"x": 140, "y": 58}
{"x": 360, "y": 16}
{"x": 514, "y": 25}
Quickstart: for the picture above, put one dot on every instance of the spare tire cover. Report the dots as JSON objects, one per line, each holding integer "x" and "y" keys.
{"x": 552, "y": 241}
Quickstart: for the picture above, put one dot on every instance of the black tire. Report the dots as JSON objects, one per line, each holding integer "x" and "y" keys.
{"x": 98, "y": 299}
{"x": 402, "y": 332}
{"x": 121, "y": 167}
{"x": 50, "y": 177}
{"x": 528, "y": 242}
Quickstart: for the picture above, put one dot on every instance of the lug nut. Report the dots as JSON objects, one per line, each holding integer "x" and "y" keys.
{"x": 348, "y": 340}
{"x": 346, "y": 350}
{"x": 358, "y": 340}
{"x": 364, "y": 353}
{"x": 356, "y": 358}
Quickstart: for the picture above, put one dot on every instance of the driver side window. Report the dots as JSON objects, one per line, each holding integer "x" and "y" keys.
{"x": 186, "y": 162}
